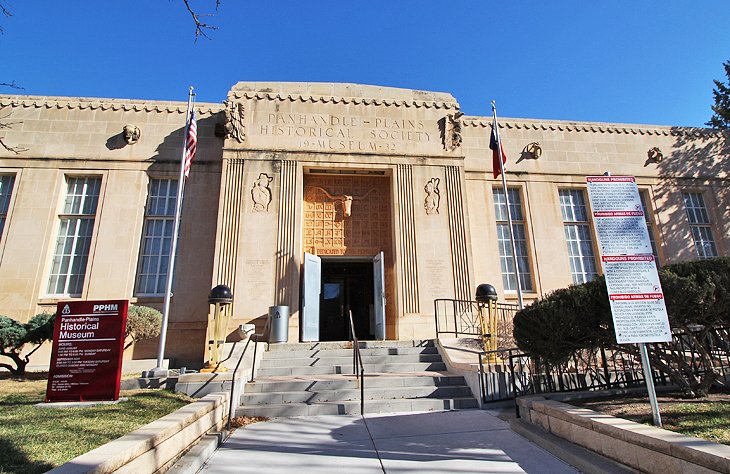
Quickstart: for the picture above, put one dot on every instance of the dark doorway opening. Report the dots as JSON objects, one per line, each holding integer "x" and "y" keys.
{"x": 346, "y": 286}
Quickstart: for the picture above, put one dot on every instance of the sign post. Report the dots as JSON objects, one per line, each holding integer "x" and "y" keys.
{"x": 88, "y": 345}
{"x": 634, "y": 291}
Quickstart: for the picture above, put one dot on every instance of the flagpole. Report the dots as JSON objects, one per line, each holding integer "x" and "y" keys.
{"x": 173, "y": 248}
{"x": 509, "y": 214}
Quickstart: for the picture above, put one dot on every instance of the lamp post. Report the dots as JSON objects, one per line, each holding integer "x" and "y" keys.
{"x": 486, "y": 297}
{"x": 219, "y": 296}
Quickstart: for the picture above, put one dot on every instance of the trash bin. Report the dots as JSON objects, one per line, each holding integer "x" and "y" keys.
{"x": 279, "y": 323}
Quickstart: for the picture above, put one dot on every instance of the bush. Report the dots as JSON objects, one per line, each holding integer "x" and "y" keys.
{"x": 15, "y": 335}
{"x": 143, "y": 322}
{"x": 569, "y": 320}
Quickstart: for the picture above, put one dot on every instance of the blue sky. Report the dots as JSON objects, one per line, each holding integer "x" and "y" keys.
{"x": 616, "y": 61}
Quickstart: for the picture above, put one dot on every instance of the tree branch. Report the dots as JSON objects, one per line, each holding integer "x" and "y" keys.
{"x": 5, "y": 13}
{"x": 11, "y": 84}
{"x": 14, "y": 149}
{"x": 201, "y": 27}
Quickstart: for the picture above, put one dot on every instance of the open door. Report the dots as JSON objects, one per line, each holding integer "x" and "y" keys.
{"x": 379, "y": 296}
{"x": 312, "y": 283}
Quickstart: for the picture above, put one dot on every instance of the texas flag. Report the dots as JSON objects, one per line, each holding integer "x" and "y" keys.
{"x": 495, "y": 144}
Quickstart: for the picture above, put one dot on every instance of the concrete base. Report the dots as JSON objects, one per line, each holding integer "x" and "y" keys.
{"x": 148, "y": 382}
{"x": 200, "y": 385}
{"x": 88, "y": 404}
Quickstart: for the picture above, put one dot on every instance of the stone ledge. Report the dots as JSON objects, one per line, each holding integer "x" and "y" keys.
{"x": 653, "y": 450}
{"x": 156, "y": 444}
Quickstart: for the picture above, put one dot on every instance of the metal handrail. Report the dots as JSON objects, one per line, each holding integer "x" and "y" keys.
{"x": 357, "y": 364}
{"x": 258, "y": 336}
{"x": 233, "y": 383}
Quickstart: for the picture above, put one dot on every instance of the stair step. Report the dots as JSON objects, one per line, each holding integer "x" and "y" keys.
{"x": 365, "y": 352}
{"x": 305, "y": 346}
{"x": 276, "y": 385}
{"x": 307, "y": 379}
{"x": 339, "y": 395}
{"x": 353, "y": 407}
{"x": 328, "y": 359}
{"x": 347, "y": 369}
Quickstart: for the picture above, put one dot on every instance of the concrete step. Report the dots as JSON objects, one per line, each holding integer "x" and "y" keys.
{"x": 263, "y": 385}
{"x": 347, "y": 369}
{"x": 307, "y": 346}
{"x": 329, "y": 359}
{"x": 374, "y": 351}
{"x": 353, "y": 407}
{"x": 340, "y": 395}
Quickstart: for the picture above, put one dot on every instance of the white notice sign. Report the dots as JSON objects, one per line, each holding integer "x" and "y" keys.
{"x": 634, "y": 291}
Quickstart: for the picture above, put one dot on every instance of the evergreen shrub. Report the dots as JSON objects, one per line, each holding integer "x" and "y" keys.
{"x": 578, "y": 318}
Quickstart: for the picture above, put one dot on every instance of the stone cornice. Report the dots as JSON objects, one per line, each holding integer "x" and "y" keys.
{"x": 202, "y": 108}
{"x": 312, "y": 98}
{"x": 592, "y": 127}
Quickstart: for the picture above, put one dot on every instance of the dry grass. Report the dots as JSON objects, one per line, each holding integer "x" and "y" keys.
{"x": 707, "y": 418}
{"x": 34, "y": 440}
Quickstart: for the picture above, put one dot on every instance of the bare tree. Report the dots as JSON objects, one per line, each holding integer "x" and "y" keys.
{"x": 200, "y": 30}
{"x": 200, "y": 27}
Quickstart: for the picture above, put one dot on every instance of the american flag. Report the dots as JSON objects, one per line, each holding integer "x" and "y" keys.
{"x": 191, "y": 144}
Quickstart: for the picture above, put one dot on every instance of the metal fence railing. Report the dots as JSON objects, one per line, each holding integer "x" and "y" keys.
{"x": 461, "y": 318}
{"x": 507, "y": 372}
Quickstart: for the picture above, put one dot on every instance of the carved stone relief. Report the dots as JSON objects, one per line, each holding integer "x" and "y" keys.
{"x": 345, "y": 199}
{"x": 234, "y": 127}
{"x": 654, "y": 155}
{"x": 261, "y": 193}
{"x": 433, "y": 197}
{"x": 131, "y": 134}
{"x": 327, "y": 232}
{"x": 452, "y": 131}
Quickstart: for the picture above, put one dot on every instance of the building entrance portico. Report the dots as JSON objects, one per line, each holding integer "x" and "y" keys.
{"x": 347, "y": 241}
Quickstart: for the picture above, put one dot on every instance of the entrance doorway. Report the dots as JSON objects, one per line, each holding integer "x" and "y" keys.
{"x": 346, "y": 286}
{"x": 334, "y": 286}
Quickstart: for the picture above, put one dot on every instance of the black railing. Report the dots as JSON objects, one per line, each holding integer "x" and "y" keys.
{"x": 258, "y": 336}
{"x": 231, "y": 397}
{"x": 461, "y": 318}
{"x": 601, "y": 368}
{"x": 358, "y": 369}
{"x": 508, "y": 373}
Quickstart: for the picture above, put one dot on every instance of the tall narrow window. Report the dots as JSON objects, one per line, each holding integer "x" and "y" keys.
{"x": 71, "y": 255}
{"x": 578, "y": 235}
{"x": 649, "y": 223}
{"x": 505, "y": 247}
{"x": 157, "y": 237}
{"x": 699, "y": 222}
{"x": 6, "y": 188}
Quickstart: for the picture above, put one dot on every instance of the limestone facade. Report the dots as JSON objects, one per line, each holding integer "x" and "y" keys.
{"x": 339, "y": 171}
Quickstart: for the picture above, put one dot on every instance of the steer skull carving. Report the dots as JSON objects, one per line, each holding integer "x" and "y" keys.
{"x": 345, "y": 199}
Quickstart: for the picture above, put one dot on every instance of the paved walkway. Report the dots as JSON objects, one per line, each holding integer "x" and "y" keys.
{"x": 468, "y": 441}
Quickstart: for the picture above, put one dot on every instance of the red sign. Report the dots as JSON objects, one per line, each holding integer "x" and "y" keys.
{"x": 88, "y": 344}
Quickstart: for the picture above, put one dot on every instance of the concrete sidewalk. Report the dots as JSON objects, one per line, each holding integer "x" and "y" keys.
{"x": 467, "y": 441}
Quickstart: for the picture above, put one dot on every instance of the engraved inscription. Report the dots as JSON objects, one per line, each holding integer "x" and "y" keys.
{"x": 347, "y": 132}
{"x": 436, "y": 277}
{"x": 257, "y": 273}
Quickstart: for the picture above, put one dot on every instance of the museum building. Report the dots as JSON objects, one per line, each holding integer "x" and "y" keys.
{"x": 326, "y": 198}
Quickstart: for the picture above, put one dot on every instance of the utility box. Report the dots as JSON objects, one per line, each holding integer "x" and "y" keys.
{"x": 279, "y": 323}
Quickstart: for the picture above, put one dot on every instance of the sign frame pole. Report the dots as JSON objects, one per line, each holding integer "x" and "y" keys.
{"x": 634, "y": 252}
{"x": 649, "y": 379}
